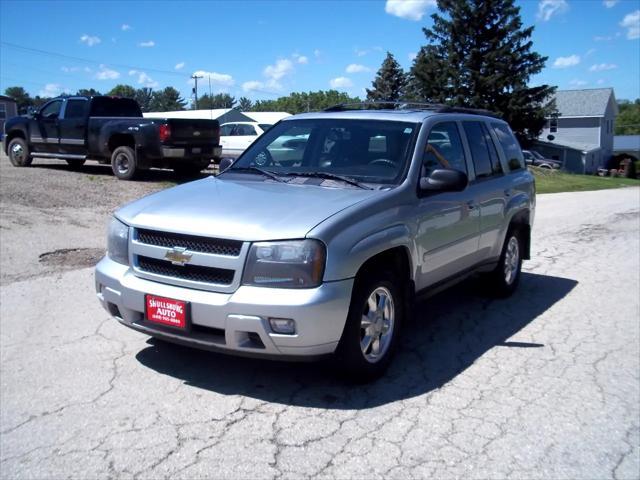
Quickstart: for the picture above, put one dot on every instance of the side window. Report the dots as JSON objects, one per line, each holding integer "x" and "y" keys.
{"x": 510, "y": 146}
{"x": 444, "y": 149}
{"x": 245, "y": 130}
{"x": 3, "y": 110}
{"x": 496, "y": 166}
{"x": 52, "y": 109}
{"x": 75, "y": 109}
{"x": 479, "y": 148}
{"x": 225, "y": 130}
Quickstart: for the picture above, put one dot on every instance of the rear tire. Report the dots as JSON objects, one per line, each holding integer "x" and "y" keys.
{"x": 371, "y": 332}
{"x": 18, "y": 152}
{"x": 75, "y": 163}
{"x": 506, "y": 276}
{"x": 124, "y": 163}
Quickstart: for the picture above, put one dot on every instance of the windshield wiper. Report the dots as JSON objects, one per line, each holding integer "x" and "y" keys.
{"x": 328, "y": 176}
{"x": 266, "y": 173}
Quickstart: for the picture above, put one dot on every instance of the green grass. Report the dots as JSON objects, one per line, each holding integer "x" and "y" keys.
{"x": 552, "y": 181}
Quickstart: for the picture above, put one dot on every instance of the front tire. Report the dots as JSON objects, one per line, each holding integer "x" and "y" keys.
{"x": 124, "y": 163}
{"x": 372, "y": 328}
{"x": 19, "y": 154}
{"x": 505, "y": 278}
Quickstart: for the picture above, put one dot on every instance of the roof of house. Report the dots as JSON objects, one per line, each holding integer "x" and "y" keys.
{"x": 583, "y": 103}
{"x": 626, "y": 142}
{"x": 4, "y": 98}
{"x": 205, "y": 114}
{"x": 582, "y": 147}
{"x": 266, "y": 117}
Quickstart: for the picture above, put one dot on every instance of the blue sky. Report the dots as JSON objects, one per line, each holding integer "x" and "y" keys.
{"x": 265, "y": 49}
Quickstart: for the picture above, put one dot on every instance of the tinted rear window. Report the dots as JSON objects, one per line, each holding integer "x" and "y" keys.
{"x": 510, "y": 146}
{"x": 115, "y": 107}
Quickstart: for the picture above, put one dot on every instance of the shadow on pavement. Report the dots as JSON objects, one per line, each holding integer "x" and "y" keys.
{"x": 451, "y": 331}
{"x": 95, "y": 169}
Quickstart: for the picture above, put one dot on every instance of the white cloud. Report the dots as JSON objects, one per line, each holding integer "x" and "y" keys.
{"x": 179, "y": 65}
{"x": 52, "y": 90}
{"x": 70, "y": 69}
{"x": 609, "y": 3}
{"x": 566, "y": 62}
{"x": 125, "y": 27}
{"x": 281, "y": 68}
{"x": 302, "y": 59}
{"x": 317, "y": 53}
{"x": 220, "y": 79}
{"x": 106, "y": 73}
{"x": 412, "y": 56}
{"x": 90, "y": 40}
{"x": 600, "y": 67}
{"x": 409, "y": 9}
{"x": 148, "y": 44}
{"x": 578, "y": 83}
{"x": 600, "y": 82}
{"x": 590, "y": 52}
{"x": 357, "y": 68}
{"x": 144, "y": 79}
{"x": 632, "y": 23}
{"x": 359, "y": 52}
{"x": 604, "y": 38}
{"x": 252, "y": 85}
{"x": 549, "y": 8}
{"x": 340, "y": 82}
{"x": 87, "y": 70}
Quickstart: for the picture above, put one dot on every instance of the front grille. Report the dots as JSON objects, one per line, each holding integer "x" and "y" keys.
{"x": 217, "y": 246}
{"x": 193, "y": 273}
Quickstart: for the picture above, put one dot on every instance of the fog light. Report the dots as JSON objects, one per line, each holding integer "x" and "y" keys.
{"x": 283, "y": 325}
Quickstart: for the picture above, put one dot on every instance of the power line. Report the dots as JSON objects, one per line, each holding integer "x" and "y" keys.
{"x": 87, "y": 60}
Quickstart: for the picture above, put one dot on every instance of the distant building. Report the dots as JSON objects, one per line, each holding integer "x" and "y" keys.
{"x": 8, "y": 109}
{"x": 627, "y": 145}
{"x": 582, "y": 135}
{"x": 223, "y": 115}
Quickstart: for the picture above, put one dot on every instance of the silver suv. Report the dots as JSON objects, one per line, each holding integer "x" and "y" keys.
{"x": 317, "y": 240}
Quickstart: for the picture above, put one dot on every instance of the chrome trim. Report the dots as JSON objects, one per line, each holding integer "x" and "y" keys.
{"x": 72, "y": 141}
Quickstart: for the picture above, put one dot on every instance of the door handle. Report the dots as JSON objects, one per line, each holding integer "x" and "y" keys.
{"x": 471, "y": 204}
{"x": 507, "y": 192}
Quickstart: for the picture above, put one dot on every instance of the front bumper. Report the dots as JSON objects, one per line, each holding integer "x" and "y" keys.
{"x": 233, "y": 322}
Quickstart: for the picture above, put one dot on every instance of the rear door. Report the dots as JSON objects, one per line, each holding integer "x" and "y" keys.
{"x": 73, "y": 126}
{"x": 489, "y": 187}
{"x": 448, "y": 223}
{"x": 44, "y": 132}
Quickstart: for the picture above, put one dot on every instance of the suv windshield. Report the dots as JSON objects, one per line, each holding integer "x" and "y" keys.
{"x": 370, "y": 151}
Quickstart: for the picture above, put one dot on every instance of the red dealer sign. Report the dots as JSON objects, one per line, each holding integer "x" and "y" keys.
{"x": 166, "y": 311}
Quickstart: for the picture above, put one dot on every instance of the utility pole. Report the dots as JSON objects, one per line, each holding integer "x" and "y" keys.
{"x": 195, "y": 90}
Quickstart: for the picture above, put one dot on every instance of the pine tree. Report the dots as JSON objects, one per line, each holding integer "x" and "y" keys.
{"x": 479, "y": 55}
{"x": 390, "y": 81}
{"x": 245, "y": 104}
{"x": 167, "y": 100}
{"x": 121, "y": 90}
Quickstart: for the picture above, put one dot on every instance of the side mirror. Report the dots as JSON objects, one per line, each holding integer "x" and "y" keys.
{"x": 444, "y": 180}
{"x": 225, "y": 163}
{"x": 33, "y": 111}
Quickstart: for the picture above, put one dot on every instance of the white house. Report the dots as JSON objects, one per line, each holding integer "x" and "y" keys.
{"x": 223, "y": 115}
{"x": 582, "y": 135}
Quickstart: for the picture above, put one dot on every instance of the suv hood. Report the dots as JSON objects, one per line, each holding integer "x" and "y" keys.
{"x": 240, "y": 210}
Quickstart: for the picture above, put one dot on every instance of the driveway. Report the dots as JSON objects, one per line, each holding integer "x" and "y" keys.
{"x": 542, "y": 385}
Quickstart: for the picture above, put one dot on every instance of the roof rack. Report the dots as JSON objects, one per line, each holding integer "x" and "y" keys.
{"x": 407, "y": 105}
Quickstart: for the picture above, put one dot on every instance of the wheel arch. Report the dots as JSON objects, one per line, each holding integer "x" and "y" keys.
{"x": 521, "y": 221}
{"x": 10, "y": 135}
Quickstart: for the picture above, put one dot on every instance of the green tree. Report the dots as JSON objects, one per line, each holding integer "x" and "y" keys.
{"x": 87, "y": 92}
{"x": 144, "y": 97}
{"x": 220, "y": 100}
{"x": 390, "y": 81}
{"x": 167, "y": 100}
{"x": 126, "y": 91}
{"x": 478, "y": 55}
{"x": 298, "y": 102}
{"x": 244, "y": 104}
{"x": 21, "y": 96}
{"x": 628, "y": 121}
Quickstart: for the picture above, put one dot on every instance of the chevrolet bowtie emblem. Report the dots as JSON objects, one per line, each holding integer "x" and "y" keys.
{"x": 178, "y": 256}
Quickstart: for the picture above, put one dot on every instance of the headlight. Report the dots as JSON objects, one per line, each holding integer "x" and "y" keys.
{"x": 290, "y": 264}
{"x": 118, "y": 242}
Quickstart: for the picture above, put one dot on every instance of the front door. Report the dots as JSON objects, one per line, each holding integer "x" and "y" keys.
{"x": 73, "y": 126}
{"x": 448, "y": 223}
{"x": 44, "y": 128}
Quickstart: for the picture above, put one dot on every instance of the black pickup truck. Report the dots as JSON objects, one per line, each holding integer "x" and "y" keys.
{"x": 111, "y": 130}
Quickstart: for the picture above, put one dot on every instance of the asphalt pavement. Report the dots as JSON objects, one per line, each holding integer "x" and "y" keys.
{"x": 545, "y": 384}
